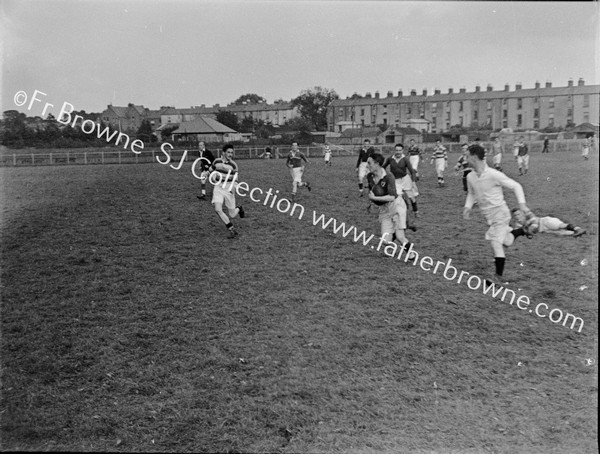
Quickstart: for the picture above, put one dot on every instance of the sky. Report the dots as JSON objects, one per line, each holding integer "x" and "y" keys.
{"x": 182, "y": 53}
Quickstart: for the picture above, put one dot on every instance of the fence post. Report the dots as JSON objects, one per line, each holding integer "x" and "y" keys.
{"x": 68, "y": 158}
{"x": 85, "y": 157}
{"x": 152, "y": 155}
{"x": 14, "y": 159}
{"x": 50, "y": 156}
{"x": 136, "y": 158}
{"x": 119, "y": 156}
{"x": 32, "y": 159}
{"x": 102, "y": 155}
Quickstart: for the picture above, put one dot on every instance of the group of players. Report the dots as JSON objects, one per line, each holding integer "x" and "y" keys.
{"x": 395, "y": 192}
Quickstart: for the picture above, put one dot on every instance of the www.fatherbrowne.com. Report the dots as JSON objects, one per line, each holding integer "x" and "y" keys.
{"x": 284, "y": 206}
{"x": 394, "y": 250}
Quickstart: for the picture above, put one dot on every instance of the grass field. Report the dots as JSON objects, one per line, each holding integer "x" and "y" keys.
{"x": 130, "y": 322}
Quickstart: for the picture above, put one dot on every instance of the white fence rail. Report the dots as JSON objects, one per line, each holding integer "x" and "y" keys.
{"x": 112, "y": 156}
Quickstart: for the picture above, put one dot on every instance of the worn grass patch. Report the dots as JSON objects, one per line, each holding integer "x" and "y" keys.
{"x": 131, "y": 323}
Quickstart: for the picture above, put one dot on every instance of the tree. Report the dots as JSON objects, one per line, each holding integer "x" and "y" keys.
{"x": 145, "y": 133}
{"x": 247, "y": 125}
{"x": 313, "y": 103}
{"x": 250, "y": 98}
{"x": 229, "y": 119}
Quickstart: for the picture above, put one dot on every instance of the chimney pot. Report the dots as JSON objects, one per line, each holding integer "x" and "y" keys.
{"x": 450, "y": 91}
{"x": 463, "y": 90}
{"x": 548, "y": 84}
{"x": 477, "y": 88}
{"x": 537, "y": 85}
{"x": 376, "y": 95}
{"x": 424, "y": 92}
{"x": 437, "y": 91}
{"x": 489, "y": 88}
{"x": 581, "y": 82}
{"x": 400, "y": 93}
{"x": 570, "y": 84}
{"x": 413, "y": 92}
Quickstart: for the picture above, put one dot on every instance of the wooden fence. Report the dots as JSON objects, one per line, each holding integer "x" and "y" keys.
{"x": 115, "y": 156}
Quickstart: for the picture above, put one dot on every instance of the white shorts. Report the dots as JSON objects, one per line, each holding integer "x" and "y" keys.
{"x": 392, "y": 217}
{"x": 516, "y": 151}
{"x": 204, "y": 176}
{"x": 363, "y": 169}
{"x": 586, "y": 151}
{"x": 549, "y": 224}
{"x": 523, "y": 161}
{"x": 224, "y": 196}
{"x": 498, "y": 218}
{"x": 440, "y": 165}
{"x": 407, "y": 185}
{"x": 414, "y": 161}
{"x": 497, "y": 159}
{"x": 327, "y": 157}
{"x": 297, "y": 174}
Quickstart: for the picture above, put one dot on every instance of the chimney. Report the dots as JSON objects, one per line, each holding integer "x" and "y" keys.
{"x": 424, "y": 92}
{"x": 548, "y": 84}
{"x": 413, "y": 92}
{"x": 489, "y": 87}
{"x": 581, "y": 82}
{"x": 450, "y": 91}
{"x": 399, "y": 93}
{"x": 477, "y": 88}
{"x": 537, "y": 85}
{"x": 506, "y": 87}
{"x": 368, "y": 94}
{"x": 216, "y": 106}
{"x": 390, "y": 94}
{"x": 570, "y": 84}
{"x": 462, "y": 90}
{"x": 437, "y": 91}
{"x": 518, "y": 86}
{"x": 377, "y": 95}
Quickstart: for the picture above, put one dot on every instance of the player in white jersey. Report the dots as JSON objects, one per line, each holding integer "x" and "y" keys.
{"x": 546, "y": 224}
{"x": 585, "y": 148}
{"x": 327, "y": 155}
{"x": 224, "y": 178}
{"x": 485, "y": 186}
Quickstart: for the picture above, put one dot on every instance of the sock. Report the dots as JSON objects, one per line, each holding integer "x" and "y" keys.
{"x": 499, "y": 265}
{"x": 414, "y": 206}
{"x": 518, "y": 232}
{"x": 360, "y": 186}
{"x": 570, "y": 227}
{"x": 229, "y": 226}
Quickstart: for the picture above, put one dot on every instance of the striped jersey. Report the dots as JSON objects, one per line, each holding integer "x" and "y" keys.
{"x": 439, "y": 152}
{"x": 225, "y": 167}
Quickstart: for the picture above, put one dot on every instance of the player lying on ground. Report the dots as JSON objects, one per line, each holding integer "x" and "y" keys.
{"x": 532, "y": 224}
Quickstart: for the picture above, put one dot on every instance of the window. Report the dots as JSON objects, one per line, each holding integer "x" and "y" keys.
{"x": 536, "y": 113}
{"x": 505, "y": 123}
{"x": 460, "y": 106}
{"x": 519, "y": 103}
{"x": 505, "y": 113}
{"x": 536, "y": 123}
{"x": 475, "y": 115}
{"x": 362, "y": 112}
{"x": 551, "y": 120}
{"x": 489, "y": 105}
{"x": 551, "y": 103}
{"x": 519, "y": 120}
{"x": 586, "y": 117}
{"x": 569, "y": 112}
{"x": 586, "y": 100}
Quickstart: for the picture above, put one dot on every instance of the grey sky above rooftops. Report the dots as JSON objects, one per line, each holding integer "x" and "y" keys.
{"x": 182, "y": 53}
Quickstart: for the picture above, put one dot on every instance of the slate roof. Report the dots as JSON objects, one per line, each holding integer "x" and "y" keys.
{"x": 203, "y": 125}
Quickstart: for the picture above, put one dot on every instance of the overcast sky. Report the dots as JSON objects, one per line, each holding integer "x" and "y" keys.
{"x": 183, "y": 53}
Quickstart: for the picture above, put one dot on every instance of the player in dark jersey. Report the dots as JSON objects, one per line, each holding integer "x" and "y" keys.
{"x": 362, "y": 167}
{"x": 296, "y": 161}
{"x": 382, "y": 192}
{"x": 224, "y": 177}
{"x": 405, "y": 176}
{"x": 207, "y": 159}
{"x": 463, "y": 164}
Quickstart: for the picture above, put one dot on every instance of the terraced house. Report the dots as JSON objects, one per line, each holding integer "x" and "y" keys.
{"x": 520, "y": 109}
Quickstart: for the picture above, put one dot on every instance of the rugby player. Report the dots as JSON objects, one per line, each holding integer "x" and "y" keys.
{"x": 362, "y": 166}
{"x": 224, "y": 177}
{"x": 296, "y": 161}
{"x": 485, "y": 186}
{"x": 205, "y": 164}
